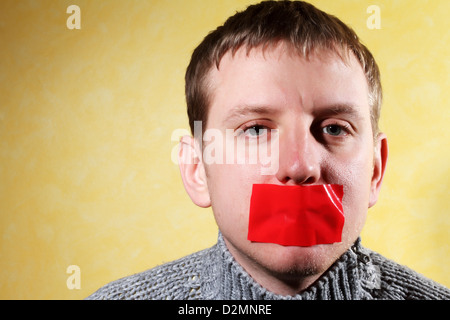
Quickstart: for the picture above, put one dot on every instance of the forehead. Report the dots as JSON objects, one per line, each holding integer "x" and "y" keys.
{"x": 279, "y": 77}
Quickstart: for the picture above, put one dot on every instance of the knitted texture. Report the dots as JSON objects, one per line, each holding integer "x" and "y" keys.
{"x": 359, "y": 274}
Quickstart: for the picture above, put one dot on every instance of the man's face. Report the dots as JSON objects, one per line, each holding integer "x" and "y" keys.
{"x": 321, "y": 111}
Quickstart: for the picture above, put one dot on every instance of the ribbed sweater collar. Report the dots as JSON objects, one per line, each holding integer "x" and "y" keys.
{"x": 348, "y": 278}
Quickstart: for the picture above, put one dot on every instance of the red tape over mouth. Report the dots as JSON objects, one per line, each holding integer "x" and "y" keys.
{"x": 296, "y": 215}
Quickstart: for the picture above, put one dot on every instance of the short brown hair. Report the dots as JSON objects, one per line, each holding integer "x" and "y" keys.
{"x": 297, "y": 23}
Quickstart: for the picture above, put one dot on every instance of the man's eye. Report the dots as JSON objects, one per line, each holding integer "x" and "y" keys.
{"x": 334, "y": 130}
{"x": 255, "y": 131}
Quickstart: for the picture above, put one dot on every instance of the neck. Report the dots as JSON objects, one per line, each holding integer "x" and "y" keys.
{"x": 285, "y": 285}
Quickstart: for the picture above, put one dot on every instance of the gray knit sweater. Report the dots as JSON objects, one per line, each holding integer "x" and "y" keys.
{"x": 214, "y": 274}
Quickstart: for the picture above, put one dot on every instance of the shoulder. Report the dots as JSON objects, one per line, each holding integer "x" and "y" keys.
{"x": 178, "y": 279}
{"x": 399, "y": 282}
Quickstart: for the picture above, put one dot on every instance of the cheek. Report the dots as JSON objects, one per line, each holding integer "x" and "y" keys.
{"x": 353, "y": 169}
{"x": 355, "y": 175}
{"x": 230, "y": 188}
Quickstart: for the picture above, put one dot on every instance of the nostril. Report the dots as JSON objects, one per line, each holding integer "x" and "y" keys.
{"x": 310, "y": 180}
{"x": 297, "y": 181}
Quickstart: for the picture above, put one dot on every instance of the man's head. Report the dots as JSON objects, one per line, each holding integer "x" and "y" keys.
{"x": 303, "y": 74}
{"x": 299, "y": 24}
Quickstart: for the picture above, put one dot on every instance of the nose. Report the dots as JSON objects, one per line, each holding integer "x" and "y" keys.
{"x": 299, "y": 157}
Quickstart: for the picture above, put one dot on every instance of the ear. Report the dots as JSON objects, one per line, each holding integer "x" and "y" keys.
{"x": 193, "y": 171}
{"x": 379, "y": 166}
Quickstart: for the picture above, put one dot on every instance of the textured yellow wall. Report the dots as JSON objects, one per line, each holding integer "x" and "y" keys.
{"x": 86, "y": 118}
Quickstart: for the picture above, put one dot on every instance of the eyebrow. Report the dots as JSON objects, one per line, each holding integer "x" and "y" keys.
{"x": 324, "y": 111}
{"x": 249, "y": 110}
{"x": 347, "y": 109}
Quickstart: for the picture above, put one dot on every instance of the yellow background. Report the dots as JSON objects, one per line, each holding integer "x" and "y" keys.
{"x": 86, "y": 119}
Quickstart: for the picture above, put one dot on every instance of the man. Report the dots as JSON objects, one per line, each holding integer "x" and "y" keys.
{"x": 297, "y": 80}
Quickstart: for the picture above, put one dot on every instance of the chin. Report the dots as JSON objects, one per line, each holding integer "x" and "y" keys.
{"x": 294, "y": 262}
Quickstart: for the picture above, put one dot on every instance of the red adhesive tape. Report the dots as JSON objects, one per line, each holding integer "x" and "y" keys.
{"x": 296, "y": 215}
